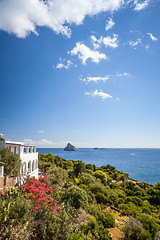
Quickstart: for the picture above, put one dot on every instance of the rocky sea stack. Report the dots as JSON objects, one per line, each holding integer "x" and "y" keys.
{"x": 70, "y": 147}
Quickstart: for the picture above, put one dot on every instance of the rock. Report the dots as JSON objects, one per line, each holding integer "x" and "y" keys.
{"x": 70, "y": 147}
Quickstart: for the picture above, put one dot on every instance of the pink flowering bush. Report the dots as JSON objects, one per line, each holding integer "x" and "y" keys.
{"x": 39, "y": 193}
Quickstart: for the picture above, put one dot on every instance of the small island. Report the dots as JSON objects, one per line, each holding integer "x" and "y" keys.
{"x": 70, "y": 147}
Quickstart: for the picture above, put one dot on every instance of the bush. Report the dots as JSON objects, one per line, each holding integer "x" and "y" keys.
{"x": 101, "y": 175}
{"x": 77, "y": 197}
{"x": 101, "y": 198}
{"x": 57, "y": 175}
{"x": 96, "y": 229}
{"x": 87, "y": 179}
{"x": 149, "y": 223}
{"x": 107, "y": 219}
{"x": 134, "y": 231}
{"x": 97, "y": 187}
{"x": 90, "y": 166}
{"x": 79, "y": 168}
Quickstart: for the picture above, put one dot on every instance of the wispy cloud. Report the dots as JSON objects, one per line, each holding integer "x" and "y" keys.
{"x": 110, "y": 24}
{"x": 1, "y": 134}
{"x": 134, "y": 44}
{"x": 101, "y": 94}
{"x": 23, "y": 17}
{"x": 107, "y": 41}
{"x": 141, "y": 5}
{"x": 84, "y": 53}
{"x": 125, "y": 74}
{"x": 40, "y": 143}
{"x": 152, "y": 37}
{"x": 95, "y": 79}
{"x": 64, "y": 64}
{"x": 40, "y": 131}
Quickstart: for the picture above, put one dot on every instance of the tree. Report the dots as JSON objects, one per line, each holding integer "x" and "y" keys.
{"x": 12, "y": 162}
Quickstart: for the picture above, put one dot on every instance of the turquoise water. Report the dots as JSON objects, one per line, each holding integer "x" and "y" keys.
{"x": 140, "y": 164}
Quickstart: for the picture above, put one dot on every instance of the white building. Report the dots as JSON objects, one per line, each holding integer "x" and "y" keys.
{"x": 28, "y": 156}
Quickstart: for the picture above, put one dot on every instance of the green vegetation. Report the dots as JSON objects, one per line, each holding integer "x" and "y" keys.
{"x": 12, "y": 162}
{"x": 84, "y": 194}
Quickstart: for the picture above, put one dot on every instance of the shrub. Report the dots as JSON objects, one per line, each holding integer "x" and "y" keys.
{"x": 89, "y": 166}
{"x": 96, "y": 229}
{"x": 101, "y": 198}
{"x": 101, "y": 175}
{"x": 97, "y": 187}
{"x": 134, "y": 231}
{"x": 149, "y": 223}
{"x": 87, "y": 179}
{"x": 77, "y": 196}
{"x": 79, "y": 168}
{"x": 107, "y": 219}
{"x": 57, "y": 175}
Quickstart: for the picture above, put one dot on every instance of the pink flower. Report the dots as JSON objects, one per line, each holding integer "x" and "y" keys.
{"x": 36, "y": 208}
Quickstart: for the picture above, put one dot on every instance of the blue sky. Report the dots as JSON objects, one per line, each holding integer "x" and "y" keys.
{"x": 84, "y": 72}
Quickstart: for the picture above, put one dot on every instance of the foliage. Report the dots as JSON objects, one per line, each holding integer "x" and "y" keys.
{"x": 97, "y": 230}
{"x": 134, "y": 231}
{"x": 101, "y": 175}
{"x": 2, "y": 139}
{"x": 72, "y": 203}
{"x": 12, "y": 162}
{"x": 77, "y": 197}
{"x": 57, "y": 175}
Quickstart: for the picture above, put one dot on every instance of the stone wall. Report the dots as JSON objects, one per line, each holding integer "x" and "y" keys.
{"x": 6, "y": 182}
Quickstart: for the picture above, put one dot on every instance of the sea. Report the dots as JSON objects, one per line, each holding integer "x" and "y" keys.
{"x": 142, "y": 164}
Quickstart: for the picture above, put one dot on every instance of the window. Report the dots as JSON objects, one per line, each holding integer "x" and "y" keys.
{"x": 10, "y": 148}
{"x": 14, "y": 149}
{"x": 24, "y": 149}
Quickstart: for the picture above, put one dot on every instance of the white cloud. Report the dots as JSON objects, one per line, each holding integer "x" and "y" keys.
{"x": 110, "y": 24}
{"x": 141, "y": 5}
{"x": 83, "y": 52}
{"x": 95, "y": 79}
{"x": 152, "y": 37}
{"x": 125, "y": 74}
{"x": 117, "y": 99}
{"x": 40, "y": 143}
{"x": 1, "y": 134}
{"x": 107, "y": 41}
{"x": 62, "y": 64}
{"x": 40, "y": 131}
{"x": 147, "y": 46}
{"x": 101, "y": 94}
{"x": 23, "y": 17}
{"x": 134, "y": 44}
